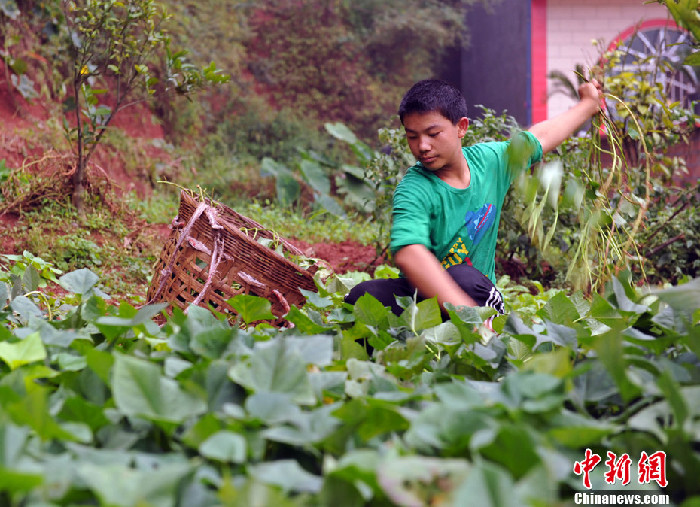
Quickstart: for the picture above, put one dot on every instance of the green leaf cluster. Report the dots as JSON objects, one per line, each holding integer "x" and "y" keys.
{"x": 100, "y": 405}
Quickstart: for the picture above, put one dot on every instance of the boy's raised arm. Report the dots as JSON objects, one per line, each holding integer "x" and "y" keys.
{"x": 552, "y": 132}
{"x": 426, "y": 273}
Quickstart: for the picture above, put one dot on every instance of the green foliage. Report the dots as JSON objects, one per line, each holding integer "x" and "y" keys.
{"x": 685, "y": 13}
{"x": 320, "y": 175}
{"x": 358, "y": 75}
{"x": 100, "y": 403}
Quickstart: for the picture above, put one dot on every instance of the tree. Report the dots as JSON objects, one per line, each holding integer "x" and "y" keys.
{"x": 116, "y": 47}
{"x": 351, "y": 60}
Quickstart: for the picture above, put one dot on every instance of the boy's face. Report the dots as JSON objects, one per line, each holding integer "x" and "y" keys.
{"x": 434, "y": 140}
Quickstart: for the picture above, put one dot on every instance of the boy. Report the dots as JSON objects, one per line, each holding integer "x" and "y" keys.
{"x": 447, "y": 208}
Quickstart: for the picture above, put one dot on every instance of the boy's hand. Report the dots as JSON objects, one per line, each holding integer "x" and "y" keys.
{"x": 591, "y": 90}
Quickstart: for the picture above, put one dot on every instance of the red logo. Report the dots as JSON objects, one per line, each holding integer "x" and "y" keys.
{"x": 651, "y": 468}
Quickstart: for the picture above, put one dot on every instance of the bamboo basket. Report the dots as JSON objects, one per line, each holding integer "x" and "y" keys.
{"x": 214, "y": 253}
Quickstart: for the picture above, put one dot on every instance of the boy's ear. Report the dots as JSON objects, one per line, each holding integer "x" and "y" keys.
{"x": 462, "y": 126}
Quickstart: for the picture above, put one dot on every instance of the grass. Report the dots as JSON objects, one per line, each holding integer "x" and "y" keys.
{"x": 314, "y": 227}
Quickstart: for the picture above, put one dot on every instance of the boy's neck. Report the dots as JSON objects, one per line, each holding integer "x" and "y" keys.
{"x": 457, "y": 177}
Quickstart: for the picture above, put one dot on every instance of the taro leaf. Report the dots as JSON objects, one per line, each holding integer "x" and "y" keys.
{"x": 101, "y": 363}
{"x": 275, "y": 369}
{"x": 302, "y": 322}
{"x": 270, "y": 167}
{"x": 286, "y": 474}
{"x": 623, "y": 294}
{"x": 174, "y": 366}
{"x": 610, "y": 352}
{"x": 446, "y": 334}
{"x": 533, "y": 392}
{"x": 225, "y": 446}
{"x": 342, "y": 132}
{"x": 80, "y": 410}
{"x": 557, "y": 363}
{"x": 358, "y": 465}
{"x": 251, "y": 308}
{"x": 58, "y": 337}
{"x": 80, "y": 281}
{"x": 220, "y": 390}
{"x": 604, "y": 312}
{"x": 541, "y": 485}
{"x": 371, "y": 312}
{"x": 272, "y": 408}
{"x": 28, "y": 350}
{"x": 25, "y": 307}
{"x": 4, "y": 295}
{"x": 458, "y": 394}
{"x": 33, "y": 410}
{"x": 682, "y": 298}
{"x": 13, "y": 480}
{"x": 317, "y": 300}
{"x": 70, "y": 362}
{"x": 12, "y": 442}
{"x": 328, "y": 383}
{"x": 308, "y": 428}
{"x": 211, "y": 343}
{"x": 411, "y": 480}
{"x": 371, "y": 417}
{"x": 653, "y": 419}
{"x": 593, "y": 384}
{"x": 468, "y": 314}
{"x": 357, "y": 192}
{"x": 560, "y": 310}
{"x": 381, "y": 340}
{"x": 493, "y": 486}
{"x": 204, "y": 428}
{"x": 512, "y": 447}
{"x": 556, "y": 334}
{"x": 315, "y": 176}
{"x": 31, "y": 279}
{"x": 350, "y": 348}
{"x": 287, "y": 189}
{"x": 576, "y": 431}
{"x": 316, "y": 349}
{"x": 338, "y": 490}
{"x": 113, "y": 326}
{"x": 672, "y": 392}
{"x": 423, "y": 315}
{"x": 329, "y": 204}
{"x": 560, "y": 335}
{"x": 140, "y": 390}
{"x": 120, "y": 486}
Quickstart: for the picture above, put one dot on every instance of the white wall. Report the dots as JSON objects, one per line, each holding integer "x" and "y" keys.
{"x": 572, "y": 25}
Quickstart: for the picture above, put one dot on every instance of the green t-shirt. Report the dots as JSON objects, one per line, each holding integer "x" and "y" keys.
{"x": 456, "y": 225}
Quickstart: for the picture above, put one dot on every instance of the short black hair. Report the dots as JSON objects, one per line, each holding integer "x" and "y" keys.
{"x": 434, "y": 95}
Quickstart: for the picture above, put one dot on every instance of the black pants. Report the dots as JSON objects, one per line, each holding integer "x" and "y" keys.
{"x": 470, "y": 279}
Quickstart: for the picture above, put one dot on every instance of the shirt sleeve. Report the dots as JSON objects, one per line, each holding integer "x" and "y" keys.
{"x": 411, "y": 214}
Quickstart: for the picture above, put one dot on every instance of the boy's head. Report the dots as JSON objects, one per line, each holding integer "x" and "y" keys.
{"x": 434, "y": 95}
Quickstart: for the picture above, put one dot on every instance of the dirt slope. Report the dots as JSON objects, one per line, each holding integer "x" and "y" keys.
{"x": 24, "y": 140}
